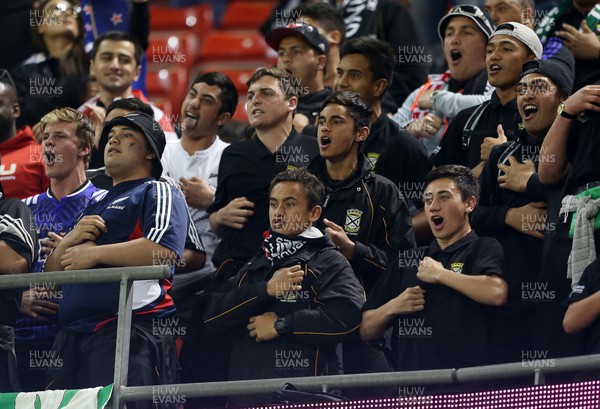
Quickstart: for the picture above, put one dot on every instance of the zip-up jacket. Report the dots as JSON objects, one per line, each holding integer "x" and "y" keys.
{"x": 324, "y": 312}
{"x": 372, "y": 213}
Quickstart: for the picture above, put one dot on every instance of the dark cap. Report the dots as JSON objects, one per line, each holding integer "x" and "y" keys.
{"x": 466, "y": 10}
{"x": 555, "y": 70}
{"x": 303, "y": 31}
{"x": 151, "y": 130}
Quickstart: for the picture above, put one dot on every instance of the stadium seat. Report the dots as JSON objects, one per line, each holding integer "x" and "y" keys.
{"x": 227, "y": 45}
{"x": 239, "y": 73}
{"x": 199, "y": 19}
{"x": 180, "y": 49}
{"x": 246, "y": 14}
{"x": 167, "y": 88}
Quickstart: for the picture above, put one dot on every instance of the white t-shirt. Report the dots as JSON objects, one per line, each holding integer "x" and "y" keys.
{"x": 203, "y": 164}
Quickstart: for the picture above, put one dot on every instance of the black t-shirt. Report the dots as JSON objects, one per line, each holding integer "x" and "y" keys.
{"x": 246, "y": 170}
{"x": 588, "y": 285}
{"x": 451, "y": 150}
{"x": 452, "y": 330}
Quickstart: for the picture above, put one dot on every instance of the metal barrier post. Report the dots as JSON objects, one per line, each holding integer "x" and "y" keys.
{"x": 123, "y": 340}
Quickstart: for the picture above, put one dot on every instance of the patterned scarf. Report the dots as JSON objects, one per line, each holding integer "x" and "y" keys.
{"x": 435, "y": 82}
{"x": 277, "y": 246}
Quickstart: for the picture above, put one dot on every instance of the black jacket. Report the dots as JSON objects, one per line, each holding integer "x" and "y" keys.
{"x": 323, "y": 313}
{"x": 373, "y": 214}
{"x": 523, "y": 252}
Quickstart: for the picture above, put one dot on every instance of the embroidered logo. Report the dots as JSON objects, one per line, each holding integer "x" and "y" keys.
{"x": 457, "y": 267}
{"x": 372, "y": 157}
{"x": 352, "y": 225}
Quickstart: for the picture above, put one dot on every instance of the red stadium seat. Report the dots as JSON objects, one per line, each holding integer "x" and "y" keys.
{"x": 179, "y": 49}
{"x": 227, "y": 45}
{"x": 199, "y": 19}
{"x": 167, "y": 88}
{"x": 246, "y": 14}
{"x": 240, "y": 112}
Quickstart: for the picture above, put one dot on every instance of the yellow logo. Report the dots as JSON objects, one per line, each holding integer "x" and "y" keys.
{"x": 457, "y": 267}
{"x": 372, "y": 157}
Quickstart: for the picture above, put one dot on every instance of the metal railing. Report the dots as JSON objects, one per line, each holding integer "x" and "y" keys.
{"x": 122, "y": 393}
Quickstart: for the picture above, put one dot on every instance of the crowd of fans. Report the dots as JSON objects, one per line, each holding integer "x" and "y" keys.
{"x": 370, "y": 216}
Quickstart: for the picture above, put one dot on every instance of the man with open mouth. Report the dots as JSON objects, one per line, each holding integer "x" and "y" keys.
{"x": 473, "y": 132}
{"x": 437, "y": 298}
{"x": 302, "y": 51}
{"x": 513, "y": 203}
{"x": 464, "y": 32}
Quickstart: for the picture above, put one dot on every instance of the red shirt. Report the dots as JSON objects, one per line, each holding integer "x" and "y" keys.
{"x": 22, "y": 170}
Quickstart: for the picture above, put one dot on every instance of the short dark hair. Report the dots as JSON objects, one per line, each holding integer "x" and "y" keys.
{"x": 229, "y": 94}
{"x": 356, "y": 106}
{"x": 312, "y": 186}
{"x": 380, "y": 55}
{"x": 119, "y": 36}
{"x": 326, "y": 14}
{"x": 462, "y": 176}
{"x": 131, "y": 104}
{"x": 284, "y": 79}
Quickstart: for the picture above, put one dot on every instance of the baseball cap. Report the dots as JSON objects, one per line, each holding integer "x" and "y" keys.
{"x": 554, "y": 70}
{"x": 149, "y": 128}
{"x": 304, "y": 31}
{"x": 522, "y": 33}
{"x": 466, "y": 10}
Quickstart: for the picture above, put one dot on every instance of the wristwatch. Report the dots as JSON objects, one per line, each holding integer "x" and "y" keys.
{"x": 280, "y": 326}
{"x": 432, "y": 100}
{"x": 561, "y": 111}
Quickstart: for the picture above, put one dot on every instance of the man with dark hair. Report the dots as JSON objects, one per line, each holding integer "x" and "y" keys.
{"x": 22, "y": 169}
{"x": 388, "y": 21}
{"x": 297, "y": 297}
{"x": 474, "y": 131}
{"x": 116, "y": 62}
{"x": 67, "y": 138}
{"x": 436, "y": 297}
{"x": 512, "y": 208}
{"x": 302, "y": 51}
{"x": 366, "y": 67}
{"x": 364, "y": 215}
{"x": 193, "y": 161}
{"x": 140, "y": 222}
{"x": 328, "y": 20}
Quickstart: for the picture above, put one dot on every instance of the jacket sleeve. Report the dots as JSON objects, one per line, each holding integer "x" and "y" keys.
{"x": 339, "y": 297}
{"x": 403, "y": 116}
{"x": 488, "y": 216}
{"x": 451, "y": 103}
{"x": 536, "y": 189}
{"x": 229, "y": 307}
{"x": 450, "y": 150}
{"x": 392, "y": 232}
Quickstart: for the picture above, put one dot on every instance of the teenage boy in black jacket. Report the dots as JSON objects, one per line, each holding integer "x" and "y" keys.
{"x": 292, "y": 302}
{"x": 364, "y": 213}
